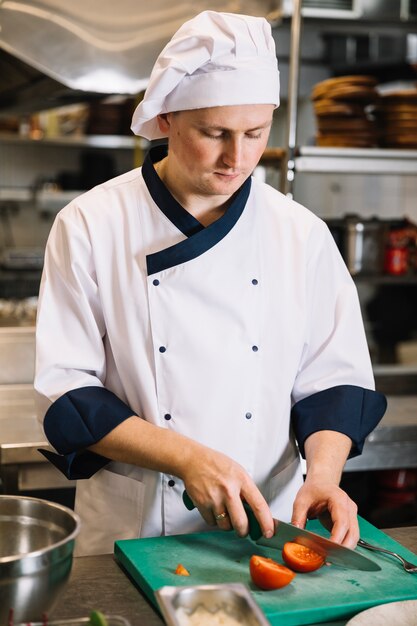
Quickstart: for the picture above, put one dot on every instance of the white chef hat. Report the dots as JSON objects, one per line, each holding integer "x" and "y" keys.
{"x": 214, "y": 59}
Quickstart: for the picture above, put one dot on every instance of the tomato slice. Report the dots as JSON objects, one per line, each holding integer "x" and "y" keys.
{"x": 300, "y": 558}
{"x": 181, "y": 570}
{"x": 268, "y": 574}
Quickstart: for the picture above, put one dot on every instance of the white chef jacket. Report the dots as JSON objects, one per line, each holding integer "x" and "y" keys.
{"x": 243, "y": 335}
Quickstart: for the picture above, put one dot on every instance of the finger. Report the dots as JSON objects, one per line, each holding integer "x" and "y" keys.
{"x": 261, "y": 510}
{"x": 237, "y": 517}
{"x": 299, "y": 514}
{"x": 207, "y": 515}
{"x": 216, "y": 515}
{"x": 207, "y": 512}
{"x": 352, "y": 535}
{"x": 222, "y": 519}
{"x": 345, "y": 529}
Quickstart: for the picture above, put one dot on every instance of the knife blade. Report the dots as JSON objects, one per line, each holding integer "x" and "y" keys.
{"x": 333, "y": 552}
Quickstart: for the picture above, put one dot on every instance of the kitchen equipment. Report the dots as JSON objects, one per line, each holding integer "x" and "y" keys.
{"x": 365, "y": 10}
{"x": 36, "y": 547}
{"x": 409, "y": 567}
{"x": 179, "y": 606}
{"x": 219, "y": 557}
{"x": 364, "y": 245}
{"x": 333, "y": 552}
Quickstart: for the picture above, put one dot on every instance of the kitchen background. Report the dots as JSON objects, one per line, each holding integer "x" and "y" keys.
{"x": 60, "y": 135}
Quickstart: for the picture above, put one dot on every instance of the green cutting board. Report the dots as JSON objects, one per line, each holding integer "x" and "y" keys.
{"x": 330, "y": 593}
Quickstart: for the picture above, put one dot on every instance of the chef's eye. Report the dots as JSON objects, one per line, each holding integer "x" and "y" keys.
{"x": 214, "y": 135}
{"x": 257, "y": 135}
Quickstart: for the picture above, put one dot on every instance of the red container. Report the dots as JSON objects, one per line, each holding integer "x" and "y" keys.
{"x": 396, "y": 260}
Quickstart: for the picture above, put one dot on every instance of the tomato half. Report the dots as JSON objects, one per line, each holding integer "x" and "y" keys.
{"x": 300, "y": 558}
{"x": 268, "y": 574}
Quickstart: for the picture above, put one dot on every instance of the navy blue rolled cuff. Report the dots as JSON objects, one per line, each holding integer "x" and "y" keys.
{"x": 353, "y": 411}
{"x": 77, "y": 420}
{"x": 78, "y": 465}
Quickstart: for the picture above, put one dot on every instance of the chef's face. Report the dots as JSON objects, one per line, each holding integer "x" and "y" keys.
{"x": 213, "y": 151}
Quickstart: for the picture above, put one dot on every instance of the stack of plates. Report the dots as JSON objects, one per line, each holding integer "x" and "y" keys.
{"x": 343, "y": 108}
{"x": 397, "y": 118}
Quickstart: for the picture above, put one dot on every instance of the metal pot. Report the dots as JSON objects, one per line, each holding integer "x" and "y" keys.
{"x": 36, "y": 551}
{"x": 364, "y": 245}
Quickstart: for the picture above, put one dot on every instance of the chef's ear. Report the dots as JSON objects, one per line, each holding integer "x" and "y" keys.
{"x": 164, "y": 122}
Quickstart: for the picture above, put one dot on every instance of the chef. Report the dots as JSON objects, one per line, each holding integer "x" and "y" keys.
{"x": 197, "y": 330}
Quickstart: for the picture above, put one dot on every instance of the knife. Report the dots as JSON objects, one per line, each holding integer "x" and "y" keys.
{"x": 333, "y": 552}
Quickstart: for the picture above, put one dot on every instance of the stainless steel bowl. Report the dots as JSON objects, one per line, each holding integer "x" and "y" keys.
{"x": 36, "y": 547}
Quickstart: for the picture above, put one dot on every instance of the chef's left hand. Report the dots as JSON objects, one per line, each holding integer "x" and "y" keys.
{"x": 320, "y": 496}
{"x": 335, "y": 509}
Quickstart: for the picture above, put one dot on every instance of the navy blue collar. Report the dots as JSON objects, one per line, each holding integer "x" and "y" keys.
{"x": 199, "y": 238}
{"x": 181, "y": 218}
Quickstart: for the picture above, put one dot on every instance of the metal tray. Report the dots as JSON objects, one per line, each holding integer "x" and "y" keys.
{"x": 214, "y": 604}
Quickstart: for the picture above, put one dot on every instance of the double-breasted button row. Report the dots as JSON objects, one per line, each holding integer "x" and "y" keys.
{"x": 156, "y": 283}
{"x": 163, "y": 349}
{"x": 255, "y": 348}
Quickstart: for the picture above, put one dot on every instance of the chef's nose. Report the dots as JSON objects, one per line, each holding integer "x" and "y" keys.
{"x": 232, "y": 154}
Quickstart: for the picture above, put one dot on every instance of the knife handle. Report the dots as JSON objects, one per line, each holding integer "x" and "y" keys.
{"x": 254, "y": 529}
{"x": 189, "y": 504}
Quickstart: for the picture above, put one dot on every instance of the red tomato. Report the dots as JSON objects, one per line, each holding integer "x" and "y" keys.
{"x": 300, "y": 558}
{"x": 267, "y": 574}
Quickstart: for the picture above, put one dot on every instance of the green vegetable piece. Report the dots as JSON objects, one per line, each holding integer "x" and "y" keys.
{"x": 98, "y": 619}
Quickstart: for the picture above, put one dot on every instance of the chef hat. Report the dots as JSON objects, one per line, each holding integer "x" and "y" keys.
{"x": 214, "y": 59}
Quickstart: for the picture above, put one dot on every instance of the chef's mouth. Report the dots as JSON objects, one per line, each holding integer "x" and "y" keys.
{"x": 229, "y": 175}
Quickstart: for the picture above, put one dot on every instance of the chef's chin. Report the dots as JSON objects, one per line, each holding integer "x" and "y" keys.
{"x": 227, "y": 185}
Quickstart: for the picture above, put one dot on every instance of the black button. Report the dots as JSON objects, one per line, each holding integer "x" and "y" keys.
{"x": 155, "y": 282}
{"x": 255, "y": 348}
{"x": 248, "y": 416}
{"x": 171, "y": 483}
{"x": 162, "y": 349}
{"x": 254, "y": 281}
{"x": 167, "y": 416}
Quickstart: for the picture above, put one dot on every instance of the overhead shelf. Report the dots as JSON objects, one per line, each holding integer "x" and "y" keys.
{"x": 355, "y": 160}
{"x": 386, "y": 279}
{"x": 93, "y": 141}
{"x": 15, "y": 194}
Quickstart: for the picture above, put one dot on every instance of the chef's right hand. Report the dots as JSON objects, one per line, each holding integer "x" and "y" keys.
{"x": 217, "y": 485}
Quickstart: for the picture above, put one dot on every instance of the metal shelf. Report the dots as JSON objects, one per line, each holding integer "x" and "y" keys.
{"x": 355, "y": 160}
{"x": 316, "y": 159}
{"x": 15, "y": 194}
{"x": 114, "y": 142}
{"x": 386, "y": 279}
